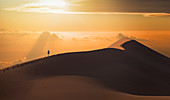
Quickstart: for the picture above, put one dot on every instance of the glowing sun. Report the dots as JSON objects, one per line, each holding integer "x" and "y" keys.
{"x": 56, "y": 3}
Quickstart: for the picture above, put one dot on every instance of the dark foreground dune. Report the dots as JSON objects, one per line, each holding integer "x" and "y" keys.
{"x": 106, "y": 74}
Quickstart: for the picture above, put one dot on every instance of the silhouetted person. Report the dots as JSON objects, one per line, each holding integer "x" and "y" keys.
{"x": 48, "y": 52}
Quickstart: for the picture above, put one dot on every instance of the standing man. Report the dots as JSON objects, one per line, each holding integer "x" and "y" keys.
{"x": 48, "y": 52}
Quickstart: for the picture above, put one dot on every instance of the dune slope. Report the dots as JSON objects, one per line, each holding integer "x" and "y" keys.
{"x": 137, "y": 70}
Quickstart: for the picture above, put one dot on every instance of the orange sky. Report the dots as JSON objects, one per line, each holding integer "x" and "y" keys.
{"x": 82, "y": 15}
{"x": 24, "y": 21}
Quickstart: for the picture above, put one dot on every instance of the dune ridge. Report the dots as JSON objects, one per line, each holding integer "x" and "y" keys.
{"x": 137, "y": 70}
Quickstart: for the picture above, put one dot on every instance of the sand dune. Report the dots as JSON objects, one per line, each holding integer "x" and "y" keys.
{"x": 106, "y": 74}
{"x": 73, "y": 88}
{"x": 118, "y": 44}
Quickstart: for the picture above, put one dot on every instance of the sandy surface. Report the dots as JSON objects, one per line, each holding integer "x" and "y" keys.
{"x": 118, "y": 44}
{"x": 74, "y": 88}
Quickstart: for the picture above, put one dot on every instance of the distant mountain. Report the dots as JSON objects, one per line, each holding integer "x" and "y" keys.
{"x": 136, "y": 70}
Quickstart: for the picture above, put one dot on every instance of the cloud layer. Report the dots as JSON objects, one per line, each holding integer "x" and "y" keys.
{"x": 147, "y": 6}
{"x": 137, "y": 7}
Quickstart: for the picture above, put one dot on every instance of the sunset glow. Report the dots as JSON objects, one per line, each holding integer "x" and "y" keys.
{"x": 42, "y": 6}
{"x": 79, "y": 25}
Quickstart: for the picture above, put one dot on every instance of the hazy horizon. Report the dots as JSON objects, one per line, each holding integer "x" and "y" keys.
{"x": 19, "y": 47}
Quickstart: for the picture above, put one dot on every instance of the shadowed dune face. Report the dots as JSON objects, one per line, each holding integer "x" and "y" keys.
{"x": 72, "y": 88}
{"x": 136, "y": 70}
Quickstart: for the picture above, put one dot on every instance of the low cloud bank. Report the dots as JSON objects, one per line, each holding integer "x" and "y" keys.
{"x": 120, "y": 35}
